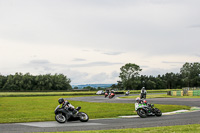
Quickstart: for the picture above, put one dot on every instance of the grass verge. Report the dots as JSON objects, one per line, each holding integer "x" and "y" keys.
{"x": 193, "y": 128}
{"x": 25, "y": 94}
{"x": 152, "y": 91}
{"x": 160, "y": 96}
{"x": 28, "y": 109}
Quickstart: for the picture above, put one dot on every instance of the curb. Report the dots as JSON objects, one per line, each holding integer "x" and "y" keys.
{"x": 193, "y": 109}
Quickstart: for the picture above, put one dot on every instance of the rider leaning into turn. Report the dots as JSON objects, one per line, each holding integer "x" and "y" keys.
{"x": 66, "y": 104}
{"x": 138, "y": 100}
{"x": 142, "y": 101}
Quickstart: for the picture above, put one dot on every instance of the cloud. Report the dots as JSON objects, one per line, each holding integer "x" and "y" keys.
{"x": 114, "y": 74}
{"x": 97, "y": 36}
{"x": 79, "y": 59}
{"x": 113, "y": 53}
{"x": 77, "y": 77}
{"x": 168, "y": 62}
{"x": 90, "y": 64}
{"x": 100, "y": 63}
{"x": 109, "y": 78}
{"x": 39, "y": 66}
{"x": 106, "y": 52}
{"x": 39, "y": 62}
{"x": 136, "y": 26}
{"x": 159, "y": 71}
{"x": 99, "y": 77}
{"x": 198, "y": 55}
{"x": 194, "y": 26}
{"x": 144, "y": 66}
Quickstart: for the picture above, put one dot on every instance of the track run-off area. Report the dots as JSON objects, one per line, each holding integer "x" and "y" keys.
{"x": 167, "y": 119}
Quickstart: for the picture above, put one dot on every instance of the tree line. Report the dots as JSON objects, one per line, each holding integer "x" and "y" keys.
{"x": 28, "y": 82}
{"x": 131, "y": 79}
{"x": 189, "y": 76}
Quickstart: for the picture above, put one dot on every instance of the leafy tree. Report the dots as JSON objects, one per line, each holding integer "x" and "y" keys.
{"x": 27, "y": 82}
{"x": 191, "y": 73}
{"x": 119, "y": 85}
{"x": 3, "y": 80}
{"x": 170, "y": 79}
{"x": 150, "y": 84}
{"x": 160, "y": 84}
{"x": 89, "y": 88}
{"x": 129, "y": 75}
{"x": 113, "y": 86}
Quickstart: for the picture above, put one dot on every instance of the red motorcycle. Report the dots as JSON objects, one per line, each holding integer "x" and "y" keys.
{"x": 112, "y": 94}
{"x": 106, "y": 94}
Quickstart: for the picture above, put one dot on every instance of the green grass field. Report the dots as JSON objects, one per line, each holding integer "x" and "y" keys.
{"x": 194, "y": 128}
{"x": 41, "y": 108}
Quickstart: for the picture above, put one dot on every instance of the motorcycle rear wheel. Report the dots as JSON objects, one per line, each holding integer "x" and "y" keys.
{"x": 60, "y": 118}
{"x": 157, "y": 112}
{"x": 83, "y": 117}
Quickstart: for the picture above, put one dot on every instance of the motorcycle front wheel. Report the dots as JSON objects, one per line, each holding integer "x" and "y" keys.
{"x": 157, "y": 112}
{"x": 142, "y": 113}
{"x": 60, "y": 118}
{"x": 83, "y": 117}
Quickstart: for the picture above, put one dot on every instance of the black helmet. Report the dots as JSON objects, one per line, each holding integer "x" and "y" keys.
{"x": 61, "y": 100}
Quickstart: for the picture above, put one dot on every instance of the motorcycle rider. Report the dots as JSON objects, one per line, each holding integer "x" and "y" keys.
{"x": 138, "y": 100}
{"x": 66, "y": 104}
{"x": 111, "y": 94}
{"x": 112, "y": 91}
{"x": 107, "y": 91}
{"x": 127, "y": 93}
{"x": 145, "y": 102}
{"x": 143, "y": 93}
{"x": 141, "y": 101}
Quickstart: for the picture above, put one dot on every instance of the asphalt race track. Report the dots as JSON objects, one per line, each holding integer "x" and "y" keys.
{"x": 117, "y": 123}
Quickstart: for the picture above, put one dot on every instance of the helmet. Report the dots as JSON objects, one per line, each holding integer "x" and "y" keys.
{"x": 61, "y": 100}
{"x": 137, "y": 99}
{"x": 144, "y": 101}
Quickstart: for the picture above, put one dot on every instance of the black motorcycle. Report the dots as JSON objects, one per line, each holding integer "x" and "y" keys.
{"x": 67, "y": 114}
{"x": 144, "y": 110}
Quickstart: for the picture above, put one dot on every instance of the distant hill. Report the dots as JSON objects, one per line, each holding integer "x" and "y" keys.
{"x": 93, "y": 85}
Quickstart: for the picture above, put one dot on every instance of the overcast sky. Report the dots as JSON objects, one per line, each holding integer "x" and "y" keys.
{"x": 90, "y": 40}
